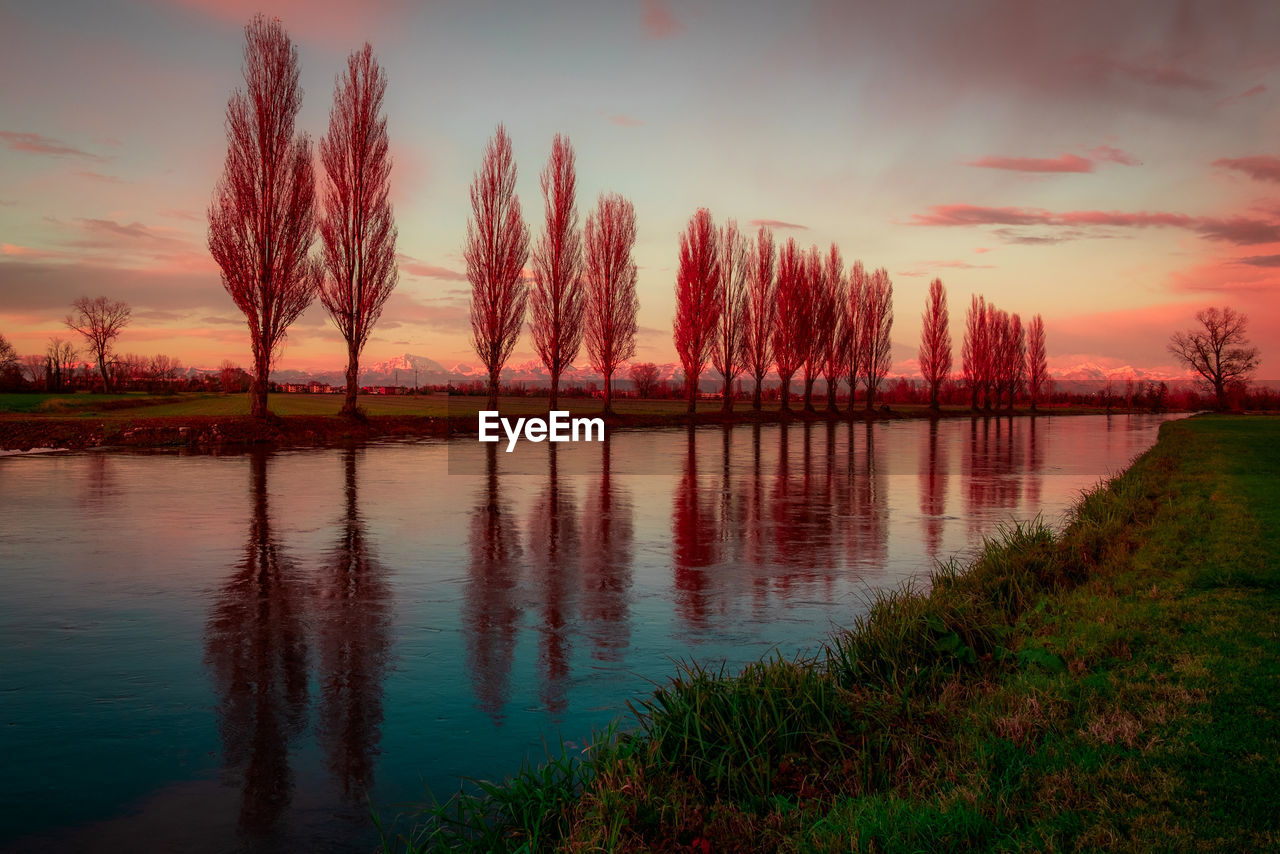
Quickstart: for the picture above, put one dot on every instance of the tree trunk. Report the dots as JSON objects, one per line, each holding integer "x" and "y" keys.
{"x": 693, "y": 394}
{"x": 353, "y": 381}
{"x": 555, "y": 388}
{"x": 832, "y": 388}
{"x": 756, "y": 400}
{"x": 871, "y": 397}
{"x": 808, "y": 394}
{"x": 608, "y": 393}
{"x": 106, "y": 380}
{"x": 726, "y": 404}
{"x": 784, "y": 394}
{"x": 258, "y": 389}
{"x": 933, "y": 397}
{"x": 494, "y": 374}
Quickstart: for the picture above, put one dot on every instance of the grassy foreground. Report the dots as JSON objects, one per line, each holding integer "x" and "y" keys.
{"x": 1114, "y": 686}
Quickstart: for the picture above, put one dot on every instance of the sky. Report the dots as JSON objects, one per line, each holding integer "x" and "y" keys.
{"x": 1111, "y": 166}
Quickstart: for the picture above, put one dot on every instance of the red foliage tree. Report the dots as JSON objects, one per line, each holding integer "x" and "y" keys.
{"x": 819, "y": 312}
{"x": 935, "y": 341}
{"x": 611, "y": 303}
{"x": 790, "y": 331}
{"x": 262, "y": 219}
{"x": 974, "y": 352}
{"x": 357, "y": 226}
{"x": 836, "y": 353}
{"x": 496, "y": 250}
{"x": 854, "y": 323}
{"x": 762, "y": 308}
{"x": 558, "y": 299}
{"x": 698, "y": 306}
{"x": 729, "y": 354}
{"x": 1037, "y": 363}
{"x": 877, "y": 326}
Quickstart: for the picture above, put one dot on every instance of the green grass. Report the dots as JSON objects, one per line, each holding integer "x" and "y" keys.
{"x": 1112, "y": 686}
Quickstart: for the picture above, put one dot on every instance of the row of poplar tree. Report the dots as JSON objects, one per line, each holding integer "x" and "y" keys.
{"x": 742, "y": 306}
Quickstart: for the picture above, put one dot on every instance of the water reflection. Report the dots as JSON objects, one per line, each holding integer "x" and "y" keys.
{"x": 491, "y": 611}
{"x": 554, "y": 549}
{"x": 608, "y": 531}
{"x": 353, "y": 604}
{"x": 256, "y": 651}
{"x": 268, "y": 622}
{"x": 521, "y": 602}
{"x": 933, "y": 490}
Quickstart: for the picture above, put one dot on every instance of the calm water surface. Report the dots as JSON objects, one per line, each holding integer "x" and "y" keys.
{"x": 242, "y": 651}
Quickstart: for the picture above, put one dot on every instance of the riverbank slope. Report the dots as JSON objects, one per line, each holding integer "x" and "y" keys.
{"x": 1115, "y": 685}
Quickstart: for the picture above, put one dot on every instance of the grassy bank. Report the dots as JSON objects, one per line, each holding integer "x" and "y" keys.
{"x": 1112, "y": 686}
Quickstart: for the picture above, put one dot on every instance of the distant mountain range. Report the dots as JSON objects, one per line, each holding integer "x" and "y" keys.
{"x": 410, "y": 369}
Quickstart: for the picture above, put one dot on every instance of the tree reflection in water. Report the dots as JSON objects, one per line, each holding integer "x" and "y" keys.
{"x": 491, "y": 612}
{"x": 607, "y": 535}
{"x": 256, "y": 651}
{"x": 353, "y": 605}
{"x": 554, "y": 542}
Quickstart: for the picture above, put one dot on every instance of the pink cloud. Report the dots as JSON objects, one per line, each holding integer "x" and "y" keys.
{"x": 1261, "y": 260}
{"x": 1064, "y": 163}
{"x": 1163, "y": 76}
{"x": 97, "y": 176}
{"x": 625, "y": 121}
{"x": 1248, "y": 93}
{"x": 1238, "y": 230}
{"x": 1260, "y": 167}
{"x": 14, "y": 250}
{"x": 658, "y": 21}
{"x": 34, "y": 143}
{"x": 925, "y": 268}
{"x": 414, "y": 267}
{"x": 777, "y": 223}
{"x": 1114, "y": 155}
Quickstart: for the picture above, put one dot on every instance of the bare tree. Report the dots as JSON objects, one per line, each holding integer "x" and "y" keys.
{"x": 698, "y": 306}
{"x": 1037, "y": 363}
{"x": 935, "y": 341}
{"x": 262, "y": 219}
{"x": 876, "y": 328}
{"x": 60, "y": 362}
{"x": 836, "y": 341}
{"x": 729, "y": 354}
{"x": 1218, "y": 351}
{"x": 790, "y": 330}
{"x": 611, "y": 303}
{"x": 558, "y": 299}
{"x": 10, "y": 366}
{"x": 644, "y": 376}
{"x": 34, "y": 366}
{"x": 357, "y": 225}
{"x": 496, "y": 251}
{"x": 100, "y": 321}
{"x": 757, "y": 340}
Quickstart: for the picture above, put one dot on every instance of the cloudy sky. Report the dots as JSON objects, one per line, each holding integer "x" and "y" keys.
{"x": 1111, "y": 166}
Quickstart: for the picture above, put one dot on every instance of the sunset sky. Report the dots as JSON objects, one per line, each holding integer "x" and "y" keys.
{"x": 1112, "y": 166}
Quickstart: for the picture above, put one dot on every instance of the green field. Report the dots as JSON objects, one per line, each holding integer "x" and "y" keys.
{"x": 1114, "y": 686}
